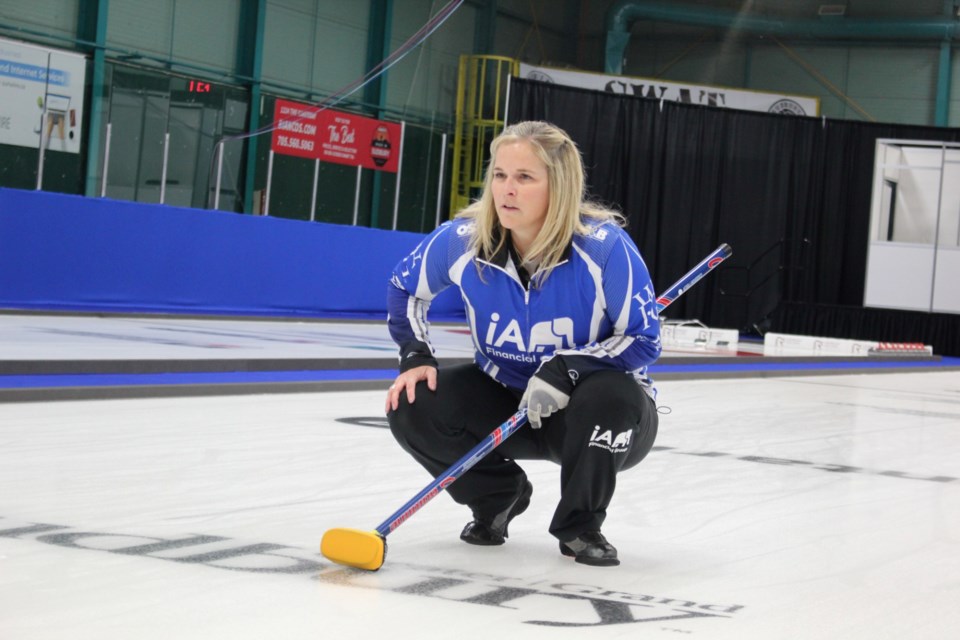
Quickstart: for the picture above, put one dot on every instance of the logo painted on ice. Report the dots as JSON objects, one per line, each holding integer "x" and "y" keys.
{"x": 619, "y": 443}
{"x": 542, "y": 602}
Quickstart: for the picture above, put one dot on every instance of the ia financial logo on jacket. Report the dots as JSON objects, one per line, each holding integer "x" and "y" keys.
{"x": 553, "y": 334}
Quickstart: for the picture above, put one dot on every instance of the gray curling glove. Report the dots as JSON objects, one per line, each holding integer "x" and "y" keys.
{"x": 542, "y": 399}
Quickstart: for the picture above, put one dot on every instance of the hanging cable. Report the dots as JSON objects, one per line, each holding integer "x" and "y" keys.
{"x": 341, "y": 94}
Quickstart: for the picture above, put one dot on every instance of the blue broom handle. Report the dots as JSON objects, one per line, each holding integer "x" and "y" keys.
{"x": 458, "y": 468}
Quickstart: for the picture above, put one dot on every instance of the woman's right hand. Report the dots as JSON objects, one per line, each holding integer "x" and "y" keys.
{"x": 407, "y": 381}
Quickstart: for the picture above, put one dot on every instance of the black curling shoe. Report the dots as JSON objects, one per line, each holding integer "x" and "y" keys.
{"x": 591, "y": 548}
{"x": 493, "y": 531}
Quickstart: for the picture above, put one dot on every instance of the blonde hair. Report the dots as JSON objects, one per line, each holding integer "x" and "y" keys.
{"x": 568, "y": 212}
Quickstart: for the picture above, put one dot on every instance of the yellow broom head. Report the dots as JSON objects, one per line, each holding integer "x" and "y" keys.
{"x": 354, "y": 548}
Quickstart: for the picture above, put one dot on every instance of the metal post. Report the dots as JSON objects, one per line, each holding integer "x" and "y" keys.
{"x": 396, "y": 195}
{"x": 313, "y": 198}
{"x": 43, "y": 147}
{"x": 944, "y": 72}
{"x": 443, "y": 156}
{"x": 106, "y": 161}
{"x": 44, "y": 137}
{"x": 266, "y": 200}
{"x": 40, "y": 158}
{"x": 356, "y": 197}
{"x": 216, "y": 194}
{"x": 944, "y": 75}
{"x": 936, "y": 231}
{"x": 92, "y": 27}
{"x": 249, "y": 56}
{"x": 163, "y": 171}
{"x": 506, "y": 101}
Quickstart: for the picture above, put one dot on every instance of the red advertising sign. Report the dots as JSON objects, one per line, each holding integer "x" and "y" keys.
{"x": 295, "y": 129}
{"x": 334, "y": 136}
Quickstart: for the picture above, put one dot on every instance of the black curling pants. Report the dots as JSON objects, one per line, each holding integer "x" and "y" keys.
{"x": 609, "y": 426}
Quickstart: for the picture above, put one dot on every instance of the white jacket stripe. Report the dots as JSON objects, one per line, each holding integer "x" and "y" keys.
{"x": 599, "y": 302}
{"x": 423, "y": 288}
{"x": 623, "y": 320}
{"x": 417, "y": 317}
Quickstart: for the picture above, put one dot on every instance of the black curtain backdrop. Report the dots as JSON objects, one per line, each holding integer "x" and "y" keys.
{"x": 790, "y": 194}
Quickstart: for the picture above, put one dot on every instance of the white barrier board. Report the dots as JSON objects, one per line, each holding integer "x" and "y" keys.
{"x": 678, "y": 336}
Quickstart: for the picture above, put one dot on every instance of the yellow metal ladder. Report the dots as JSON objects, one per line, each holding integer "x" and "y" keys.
{"x": 481, "y": 115}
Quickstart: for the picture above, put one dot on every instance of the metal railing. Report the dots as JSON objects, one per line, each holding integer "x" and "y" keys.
{"x": 758, "y": 276}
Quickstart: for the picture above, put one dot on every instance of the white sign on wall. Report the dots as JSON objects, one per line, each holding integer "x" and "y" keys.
{"x": 677, "y": 92}
{"x": 41, "y": 96}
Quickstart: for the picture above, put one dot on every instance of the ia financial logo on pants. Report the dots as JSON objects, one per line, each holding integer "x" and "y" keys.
{"x": 606, "y": 439}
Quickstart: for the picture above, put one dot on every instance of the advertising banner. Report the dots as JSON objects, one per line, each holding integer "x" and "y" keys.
{"x": 334, "y": 136}
{"x": 41, "y": 96}
{"x": 677, "y": 92}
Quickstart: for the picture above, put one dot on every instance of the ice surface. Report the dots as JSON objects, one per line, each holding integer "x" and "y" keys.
{"x": 796, "y": 507}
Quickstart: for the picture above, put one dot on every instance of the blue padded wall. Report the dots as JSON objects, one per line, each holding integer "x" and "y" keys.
{"x": 64, "y": 252}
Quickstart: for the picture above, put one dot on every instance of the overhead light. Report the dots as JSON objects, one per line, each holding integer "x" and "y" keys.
{"x": 832, "y": 10}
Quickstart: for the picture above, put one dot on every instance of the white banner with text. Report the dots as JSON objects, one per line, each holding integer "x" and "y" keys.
{"x": 677, "y": 92}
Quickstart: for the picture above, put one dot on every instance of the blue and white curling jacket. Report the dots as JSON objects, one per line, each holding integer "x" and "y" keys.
{"x": 597, "y": 309}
